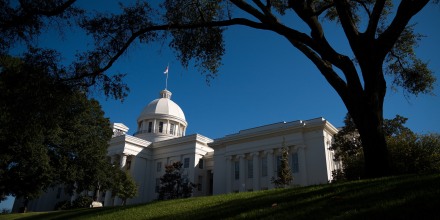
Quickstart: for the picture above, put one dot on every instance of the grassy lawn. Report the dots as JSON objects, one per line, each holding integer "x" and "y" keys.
{"x": 403, "y": 197}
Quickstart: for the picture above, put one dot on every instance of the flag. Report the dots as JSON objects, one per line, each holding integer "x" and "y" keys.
{"x": 166, "y": 71}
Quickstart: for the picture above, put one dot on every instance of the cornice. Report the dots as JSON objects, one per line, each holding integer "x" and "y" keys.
{"x": 129, "y": 139}
{"x": 184, "y": 139}
{"x": 276, "y": 128}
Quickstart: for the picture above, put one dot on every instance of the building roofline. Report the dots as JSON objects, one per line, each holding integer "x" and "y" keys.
{"x": 276, "y": 128}
{"x": 188, "y": 138}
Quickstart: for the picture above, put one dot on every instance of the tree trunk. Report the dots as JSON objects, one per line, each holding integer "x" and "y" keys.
{"x": 374, "y": 145}
{"x": 366, "y": 109}
{"x": 23, "y": 209}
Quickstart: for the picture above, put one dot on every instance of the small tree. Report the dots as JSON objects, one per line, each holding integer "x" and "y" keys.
{"x": 173, "y": 185}
{"x": 284, "y": 174}
{"x": 126, "y": 187}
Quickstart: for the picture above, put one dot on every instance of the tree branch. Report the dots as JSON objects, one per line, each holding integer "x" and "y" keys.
{"x": 406, "y": 10}
{"x": 249, "y": 9}
{"x": 56, "y": 11}
{"x": 348, "y": 25}
{"x": 324, "y": 8}
{"x": 135, "y": 35}
{"x": 321, "y": 45}
{"x": 325, "y": 68}
{"x": 374, "y": 19}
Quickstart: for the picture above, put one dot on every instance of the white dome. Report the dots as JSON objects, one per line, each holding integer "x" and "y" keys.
{"x": 164, "y": 107}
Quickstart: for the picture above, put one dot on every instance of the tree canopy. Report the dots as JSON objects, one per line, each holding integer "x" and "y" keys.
{"x": 51, "y": 132}
{"x": 173, "y": 184}
{"x": 379, "y": 33}
{"x": 409, "y": 152}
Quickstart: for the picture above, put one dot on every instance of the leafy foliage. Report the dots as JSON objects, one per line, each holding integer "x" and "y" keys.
{"x": 126, "y": 187}
{"x": 409, "y": 152}
{"x": 82, "y": 202}
{"x": 25, "y": 20}
{"x": 51, "y": 132}
{"x": 173, "y": 185}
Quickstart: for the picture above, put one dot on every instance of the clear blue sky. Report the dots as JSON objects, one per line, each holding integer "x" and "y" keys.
{"x": 263, "y": 80}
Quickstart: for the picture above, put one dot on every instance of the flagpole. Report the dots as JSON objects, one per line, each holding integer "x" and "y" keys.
{"x": 166, "y": 80}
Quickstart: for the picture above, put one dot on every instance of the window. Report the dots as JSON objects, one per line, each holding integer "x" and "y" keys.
{"x": 172, "y": 128}
{"x": 264, "y": 166}
{"x": 199, "y": 186}
{"x": 237, "y": 170}
{"x": 157, "y": 185}
{"x": 201, "y": 163}
{"x": 295, "y": 165}
{"x": 128, "y": 165}
{"x": 59, "y": 193}
{"x": 150, "y": 126}
{"x": 250, "y": 169}
{"x": 278, "y": 163}
{"x": 159, "y": 166}
{"x": 160, "y": 127}
{"x": 186, "y": 163}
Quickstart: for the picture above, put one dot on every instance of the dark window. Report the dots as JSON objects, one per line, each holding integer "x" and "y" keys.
{"x": 201, "y": 163}
{"x": 150, "y": 126}
{"x": 160, "y": 127}
{"x": 172, "y": 129}
{"x": 278, "y": 163}
{"x": 250, "y": 169}
{"x": 264, "y": 166}
{"x": 59, "y": 193}
{"x": 186, "y": 163}
{"x": 128, "y": 164}
{"x": 295, "y": 165}
{"x": 159, "y": 166}
{"x": 199, "y": 186}
{"x": 237, "y": 170}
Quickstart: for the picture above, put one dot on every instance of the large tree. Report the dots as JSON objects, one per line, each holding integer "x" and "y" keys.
{"x": 409, "y": 152}
{"x": 51, "y": 132}
{"x": 379, "y": 33}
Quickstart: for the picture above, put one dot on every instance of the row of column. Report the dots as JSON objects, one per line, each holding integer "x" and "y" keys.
{"x": 256, "y": 165}
{"x": 178, "y": 130}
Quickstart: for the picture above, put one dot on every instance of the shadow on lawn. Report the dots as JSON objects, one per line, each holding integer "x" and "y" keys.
{"x": 397, "y": 197}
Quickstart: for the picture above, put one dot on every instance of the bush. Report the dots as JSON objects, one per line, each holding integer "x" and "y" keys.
{"x": 415, "y": 153}
{"x": 82, "y": 202}
{"x": 63, "y": 205}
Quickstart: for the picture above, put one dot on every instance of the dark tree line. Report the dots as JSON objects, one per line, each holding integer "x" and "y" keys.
{"x": 410, "y": 153}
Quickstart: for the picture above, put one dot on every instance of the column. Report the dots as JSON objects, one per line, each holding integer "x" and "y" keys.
{"x": 228, "y": 174}
{"x": 107, "y": 198}
{"x": 270, "y": 169}
{"x": 242, "y": 174}
{"x": 302, "y": 165}
{"x": 123, "y": 160}
{"x": 256, "y": 170}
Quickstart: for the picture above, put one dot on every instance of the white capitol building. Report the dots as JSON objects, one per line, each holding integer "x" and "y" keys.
{"x": 244, "y": 161}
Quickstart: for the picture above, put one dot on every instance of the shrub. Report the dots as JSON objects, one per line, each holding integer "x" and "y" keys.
{"x": 82, "y": 202}
{"x": 63, "y": 205}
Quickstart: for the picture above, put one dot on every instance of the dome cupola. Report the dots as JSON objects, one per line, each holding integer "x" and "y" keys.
{"x": 161, "y": 119}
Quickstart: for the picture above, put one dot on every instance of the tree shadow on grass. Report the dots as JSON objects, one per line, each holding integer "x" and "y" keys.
{"x": 399, "y": 197}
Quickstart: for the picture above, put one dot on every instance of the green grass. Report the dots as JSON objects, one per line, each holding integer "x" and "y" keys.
{"x": 403, "y": 197}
